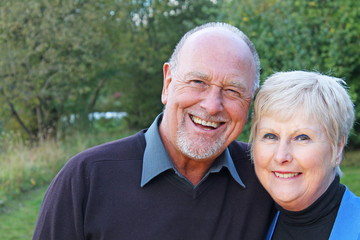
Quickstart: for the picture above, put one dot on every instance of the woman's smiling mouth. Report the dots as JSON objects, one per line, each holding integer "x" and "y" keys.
{"x": 286, "y": 174}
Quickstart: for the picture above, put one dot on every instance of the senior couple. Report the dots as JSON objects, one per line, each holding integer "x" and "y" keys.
{"x": 186, "y": 177}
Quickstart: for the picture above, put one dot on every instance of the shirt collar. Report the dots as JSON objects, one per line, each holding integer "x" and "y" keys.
{"x": 156, "y": 159}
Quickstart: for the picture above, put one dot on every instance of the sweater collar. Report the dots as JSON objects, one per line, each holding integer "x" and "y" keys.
{"x": 156, "y": 159}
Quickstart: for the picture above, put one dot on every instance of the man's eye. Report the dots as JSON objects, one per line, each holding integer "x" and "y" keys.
{"x": 302, "y": 137}
{"x": 232, "y": 91}
{"x": 270, "y": 136}
{"x": 197, "y": 81}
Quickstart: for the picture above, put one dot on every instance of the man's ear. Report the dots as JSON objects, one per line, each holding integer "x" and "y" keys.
{"x": 167, "y": 80}
{"x": 341, "y": 146}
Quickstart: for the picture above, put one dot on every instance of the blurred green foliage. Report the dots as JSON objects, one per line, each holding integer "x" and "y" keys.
{"x": 61, "y": 60}
{"x": 54, "y": 58}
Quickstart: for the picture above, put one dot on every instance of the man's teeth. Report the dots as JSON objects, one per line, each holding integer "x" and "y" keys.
{"x": 286, "y": 175}
{"x": 205, "y": 123}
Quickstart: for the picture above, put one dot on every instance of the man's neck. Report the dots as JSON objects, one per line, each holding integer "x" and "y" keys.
{"x": 193, "y": 170}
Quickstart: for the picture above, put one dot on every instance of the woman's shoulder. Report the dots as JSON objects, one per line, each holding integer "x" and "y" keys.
{"x": 350, "y": 207}
{"x": 347, "y": 223}
{"x": 351, "y": 199}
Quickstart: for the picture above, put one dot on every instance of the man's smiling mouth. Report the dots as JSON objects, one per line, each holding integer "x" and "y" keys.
{"x": 204, "y": 123}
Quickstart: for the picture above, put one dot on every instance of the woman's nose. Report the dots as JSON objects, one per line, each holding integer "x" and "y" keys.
{"x": 283, "y": 152}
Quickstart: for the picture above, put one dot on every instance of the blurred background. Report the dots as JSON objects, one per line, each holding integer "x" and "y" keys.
{"x": 77, "y": 73}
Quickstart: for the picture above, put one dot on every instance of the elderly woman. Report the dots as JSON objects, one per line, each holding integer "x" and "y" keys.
{"x": 300, "y": 126}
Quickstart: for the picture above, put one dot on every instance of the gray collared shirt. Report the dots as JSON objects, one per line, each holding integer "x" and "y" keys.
{"x": 157, "y": 160}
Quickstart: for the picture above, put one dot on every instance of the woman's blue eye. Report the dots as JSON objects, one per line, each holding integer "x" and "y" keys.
{"x": 270, "y": 136}
{"x": 302, "y": 137}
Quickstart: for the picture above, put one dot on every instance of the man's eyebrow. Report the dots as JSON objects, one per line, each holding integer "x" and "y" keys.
{"x": 199, "y": 75}
{"x": 237, "y": 84}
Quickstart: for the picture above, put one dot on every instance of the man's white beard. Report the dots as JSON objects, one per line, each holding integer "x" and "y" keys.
{"x": 200, "y": 147}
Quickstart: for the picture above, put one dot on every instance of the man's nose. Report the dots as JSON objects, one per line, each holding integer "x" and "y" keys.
{"x": 212, "y": 100}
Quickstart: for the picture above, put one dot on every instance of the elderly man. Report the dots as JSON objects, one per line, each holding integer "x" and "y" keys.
{"x": 183, "y": 178}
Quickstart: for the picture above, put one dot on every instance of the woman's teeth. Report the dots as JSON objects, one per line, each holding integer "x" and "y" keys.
{"x": 286, "y": 175}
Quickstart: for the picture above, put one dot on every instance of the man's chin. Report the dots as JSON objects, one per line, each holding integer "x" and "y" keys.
{"x": 199, "y": 152}
{"x": 199, "y": 147}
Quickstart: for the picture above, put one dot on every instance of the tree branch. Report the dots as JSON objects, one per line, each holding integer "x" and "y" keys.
{"x": 18, "y": 119}
{"x": 96, "y": 95}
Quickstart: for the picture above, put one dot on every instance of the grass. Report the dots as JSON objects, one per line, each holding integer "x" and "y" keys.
{"x": 350, "y": 167}
{"x": 351, "y": 179}
{"x": 26, "y": 168}
{"x": 19, "y": 218}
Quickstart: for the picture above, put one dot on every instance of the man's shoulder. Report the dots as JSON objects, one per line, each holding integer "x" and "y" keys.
{"x": 240, "y": 154}
{"x": 239, "y": 150}
{"x": 119, "y": 156}
{"x": 131, "y": 147}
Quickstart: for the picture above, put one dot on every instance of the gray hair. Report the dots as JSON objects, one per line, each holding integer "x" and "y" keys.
{"x": 323, "y": 98}
{"x": 175, "y": 55}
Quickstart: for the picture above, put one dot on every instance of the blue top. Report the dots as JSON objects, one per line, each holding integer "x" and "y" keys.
{"x": 347, "y": 222}
{"x": 157, "y": 160}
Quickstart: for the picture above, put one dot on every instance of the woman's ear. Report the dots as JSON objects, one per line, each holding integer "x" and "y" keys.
{"x": 340, "y": 149}
{"x": 167, "y": 80}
